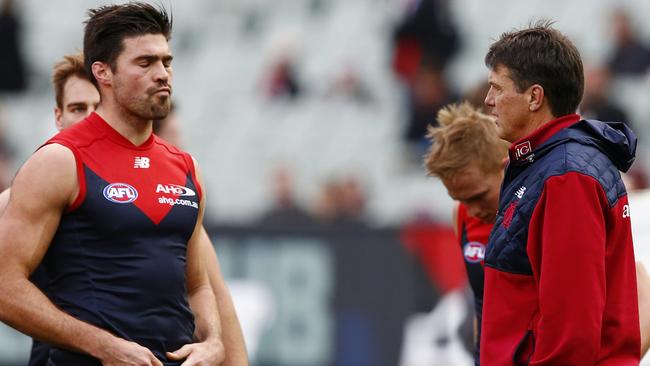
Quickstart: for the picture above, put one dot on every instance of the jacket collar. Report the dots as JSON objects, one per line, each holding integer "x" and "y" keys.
{"x": 524, "y": 148}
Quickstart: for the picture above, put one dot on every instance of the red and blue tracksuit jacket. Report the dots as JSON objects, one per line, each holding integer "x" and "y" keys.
{"x": 560, "y": 284}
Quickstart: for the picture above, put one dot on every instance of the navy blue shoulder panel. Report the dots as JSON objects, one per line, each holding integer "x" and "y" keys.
{"x": 522, "y": 188}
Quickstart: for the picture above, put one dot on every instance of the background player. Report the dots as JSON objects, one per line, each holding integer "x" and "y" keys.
{"x": 465, "y": 135}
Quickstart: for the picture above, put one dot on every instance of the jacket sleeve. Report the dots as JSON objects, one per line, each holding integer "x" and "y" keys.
{"x": 566, "y": 247}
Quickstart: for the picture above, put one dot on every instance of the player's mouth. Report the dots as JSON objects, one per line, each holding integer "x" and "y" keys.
{"x": 163, "y": 90}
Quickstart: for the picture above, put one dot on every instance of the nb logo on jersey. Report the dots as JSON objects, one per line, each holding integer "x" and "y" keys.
{"x": 474, "y": 252}
{"x": 174, "y": 189}
{"x": 120, "y": 193}
{"x": 141, "y": 162}
{"x": 626, "y": 211}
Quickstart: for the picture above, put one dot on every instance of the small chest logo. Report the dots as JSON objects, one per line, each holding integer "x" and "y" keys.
{"x": 523, "y": 149}
{"x": 141, "y": 162}
{"x": 474, "y": 252}
{"x": 120, "y": 193}
{"x": 509, "y": 214}
{"x": 520, "y": 192}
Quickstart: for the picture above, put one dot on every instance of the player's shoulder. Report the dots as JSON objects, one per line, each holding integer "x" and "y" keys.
{"x": 53, "y": 153}
{"x": 78, "y": 134}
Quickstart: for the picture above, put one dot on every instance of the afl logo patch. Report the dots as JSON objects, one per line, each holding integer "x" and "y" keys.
{"x": 120, "y": 193}
{"x": 474, "y": 252}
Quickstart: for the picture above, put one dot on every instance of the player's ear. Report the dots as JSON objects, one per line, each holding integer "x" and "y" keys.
{"x": 58, "y": 113}
{"x": 102, "y": 73}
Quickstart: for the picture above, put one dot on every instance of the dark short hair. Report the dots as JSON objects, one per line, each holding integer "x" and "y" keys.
{"x": 108, "y": 26}
{"x": 540, "y": 54}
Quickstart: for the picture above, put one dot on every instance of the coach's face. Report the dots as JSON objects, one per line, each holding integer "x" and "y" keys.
{"x": 477, "y": 190}
{"x": 142, "y": 79}
{"x": 508, "y": 105}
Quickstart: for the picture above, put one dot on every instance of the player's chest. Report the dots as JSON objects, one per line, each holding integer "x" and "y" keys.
{"x": 156, "y": 186}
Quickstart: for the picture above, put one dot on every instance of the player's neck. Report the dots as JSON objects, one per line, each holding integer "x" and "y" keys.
{"x": 133, "y": 128}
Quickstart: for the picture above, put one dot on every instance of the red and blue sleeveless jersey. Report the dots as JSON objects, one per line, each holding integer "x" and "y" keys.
{"x": 118, "y": 258}
{"x": 473, "y": 236}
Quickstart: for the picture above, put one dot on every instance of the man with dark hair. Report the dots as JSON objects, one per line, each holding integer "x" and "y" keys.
{"x": 560, "y": 284}
{"x": 115, "y": 215}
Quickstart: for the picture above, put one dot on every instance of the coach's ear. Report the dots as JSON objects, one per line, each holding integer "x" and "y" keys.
{"x": 102, "y": 73}
{"x": 535, "y": 97}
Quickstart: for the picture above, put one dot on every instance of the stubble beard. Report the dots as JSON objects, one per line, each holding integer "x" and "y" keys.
{"x": 152, "y": 107}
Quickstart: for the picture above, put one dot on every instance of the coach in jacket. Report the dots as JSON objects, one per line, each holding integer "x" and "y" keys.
{"x": 560, "y": 285}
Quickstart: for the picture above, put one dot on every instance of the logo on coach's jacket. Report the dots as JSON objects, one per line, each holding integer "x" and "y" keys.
{"x": 120, "y": 193}
{"x": 474, "y": 251}
{"x": 523, "y": 149}
{"x": 520, "y": 192}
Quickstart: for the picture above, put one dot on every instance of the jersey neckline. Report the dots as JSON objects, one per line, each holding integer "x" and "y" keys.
{"x": 97, "y": 121}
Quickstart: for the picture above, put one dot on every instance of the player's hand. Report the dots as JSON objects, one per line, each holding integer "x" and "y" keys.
{"x": 125, "y": 353}
{"x": 209, "y": 353}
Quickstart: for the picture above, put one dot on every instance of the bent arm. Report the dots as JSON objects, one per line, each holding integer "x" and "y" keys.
{"x": 233, "y": 339}
{"x": 209, "y": 348}
{"x": 41, "y": 191}
{"x": 202, "y": 299}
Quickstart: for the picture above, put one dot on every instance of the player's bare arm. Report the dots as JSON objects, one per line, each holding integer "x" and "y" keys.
{"x": 42, "y": 190}
{"x": 209, "y": 349}
{"x": 232, "y": 337}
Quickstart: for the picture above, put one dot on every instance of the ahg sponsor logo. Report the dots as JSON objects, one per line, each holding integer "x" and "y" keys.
{"x": 120, "y": 193}
{"x": 174, "y": 189}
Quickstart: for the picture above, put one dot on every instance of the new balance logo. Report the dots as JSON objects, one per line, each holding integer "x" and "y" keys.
{"x": 520, "y": 192}
{"x": 141, "y": 162}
